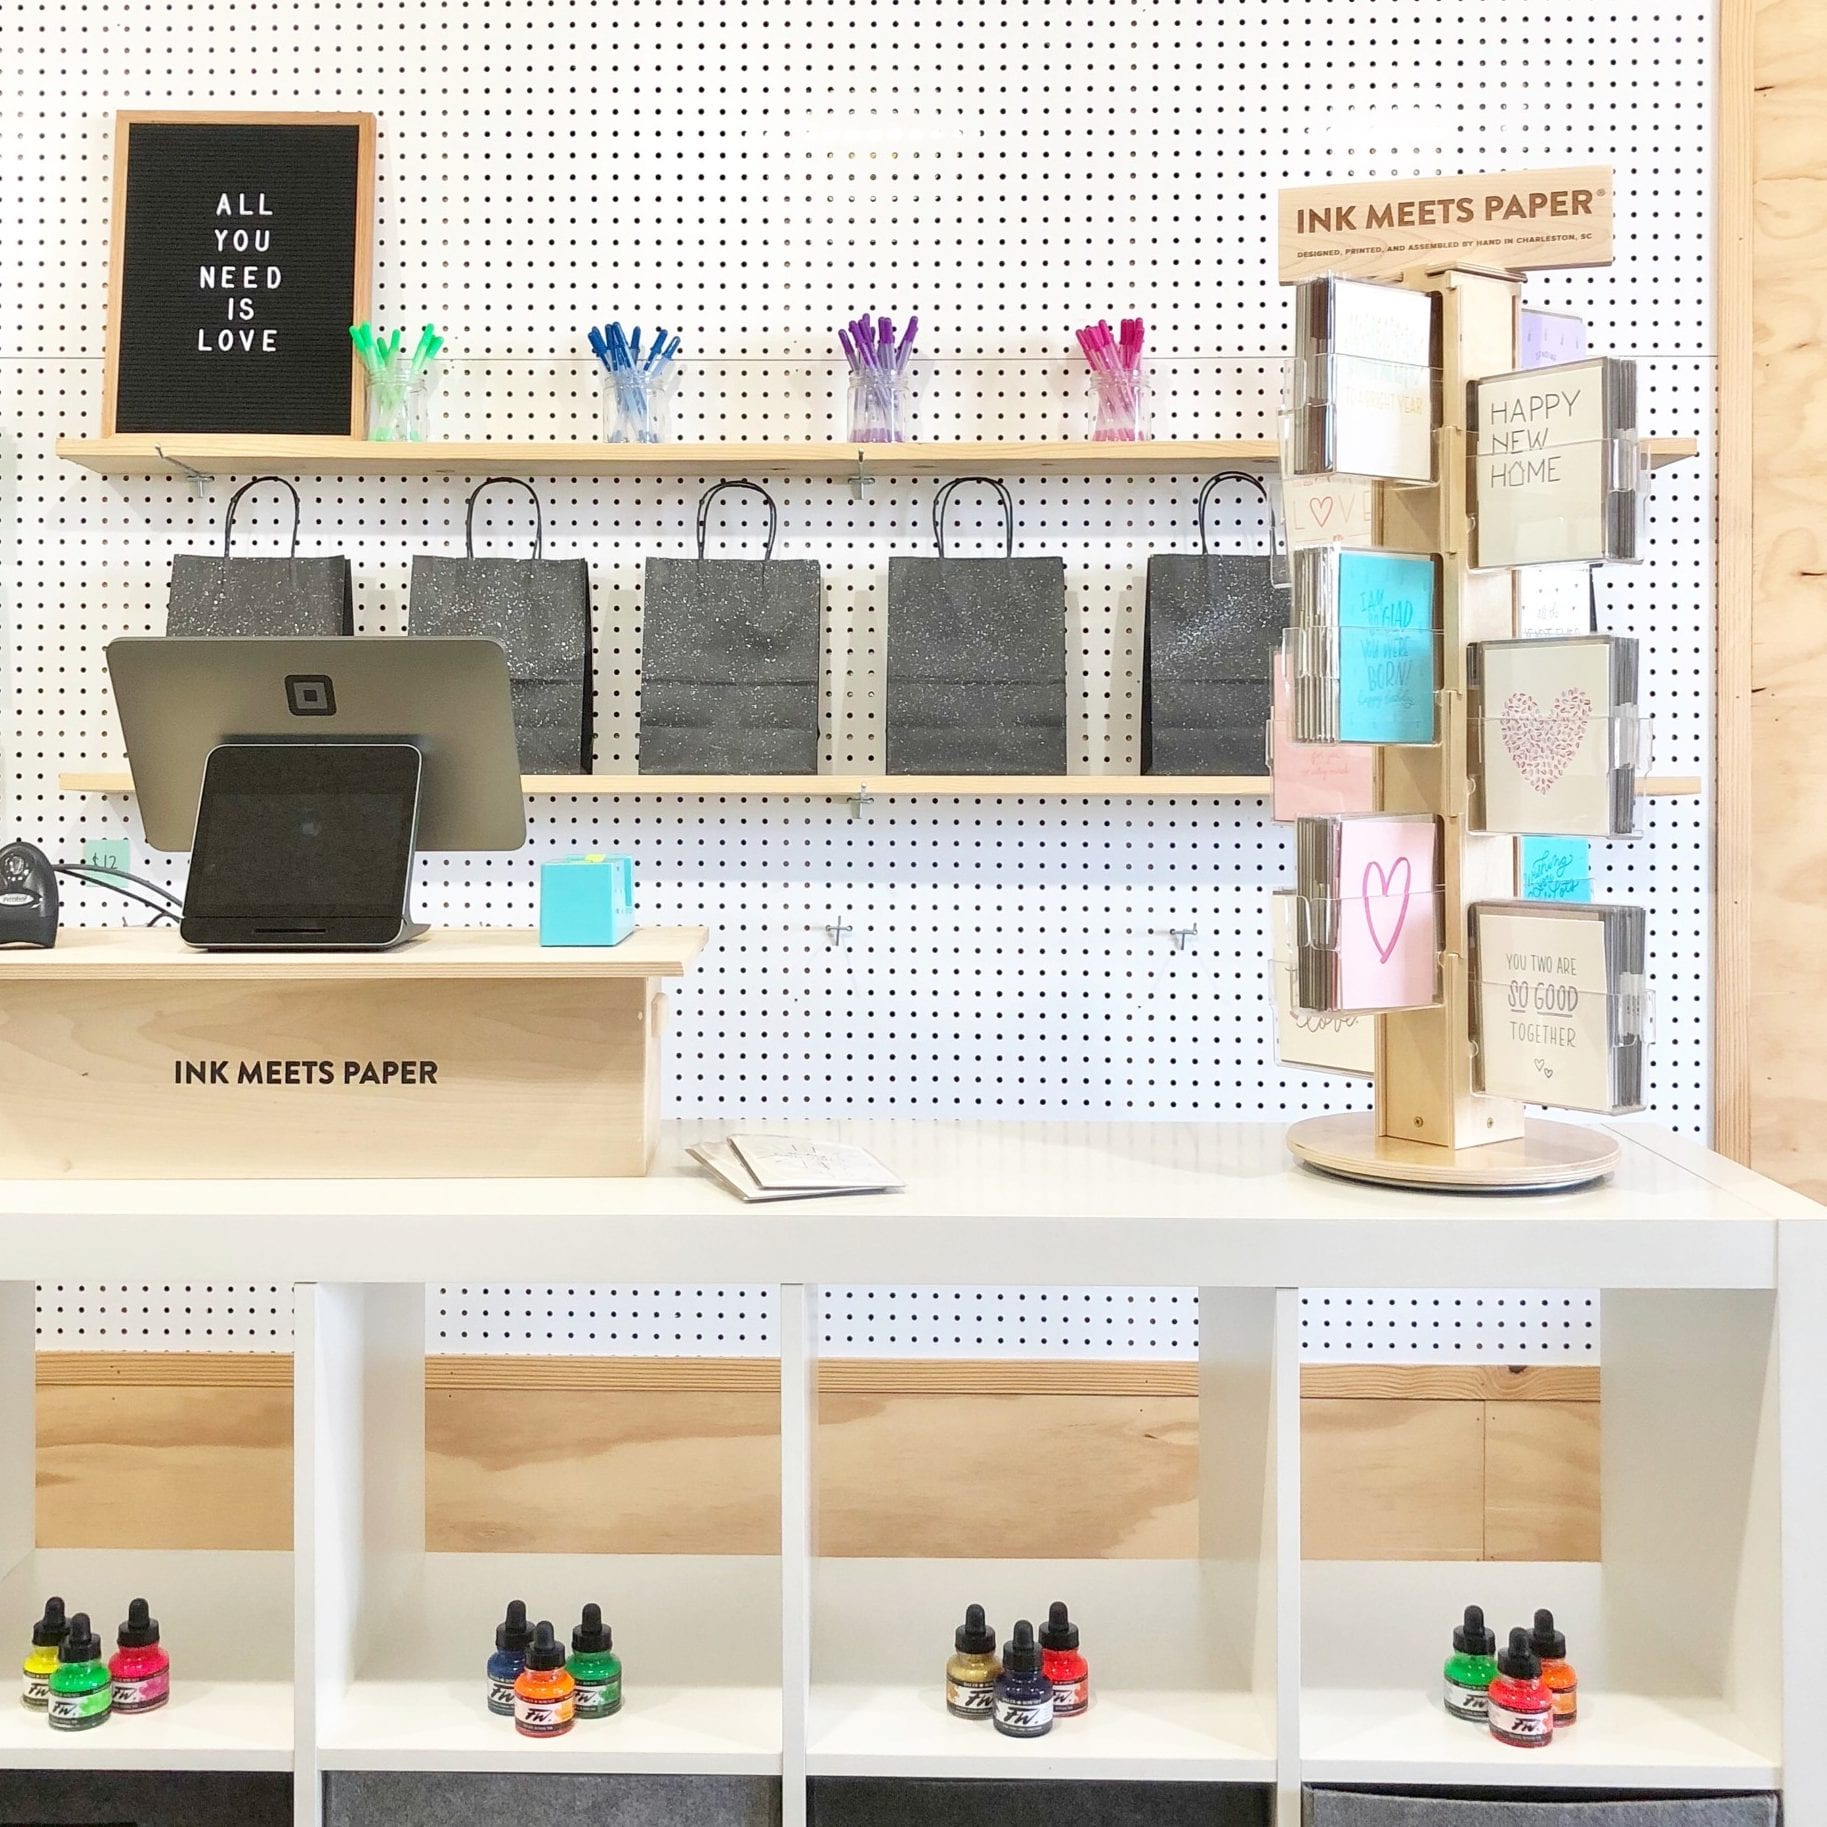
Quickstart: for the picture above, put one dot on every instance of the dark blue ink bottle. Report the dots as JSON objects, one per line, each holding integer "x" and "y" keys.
{"x": 512, "y": 1635}
{"x": 1024, "y": 1696}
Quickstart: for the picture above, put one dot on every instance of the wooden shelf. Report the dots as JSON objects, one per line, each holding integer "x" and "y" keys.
{"x": 185, "y": 453}
{"x": 889, "y": 786}
{"x": 97, "y": 954}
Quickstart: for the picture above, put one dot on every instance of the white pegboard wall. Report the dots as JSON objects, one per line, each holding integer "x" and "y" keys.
{"x": 1426, "y": 1325}
{"x": 752, "y": 173}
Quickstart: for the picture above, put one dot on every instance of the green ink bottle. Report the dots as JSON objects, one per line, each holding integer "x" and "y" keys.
{"x": 82, "y": 1690}
{"x": 1471, "y": 1669}
{"x": 595, "y": 1667}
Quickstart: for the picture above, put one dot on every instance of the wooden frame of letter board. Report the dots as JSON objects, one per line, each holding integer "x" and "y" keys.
{"x": 126, "y": 119}
{"x": 1430, "y": 1127}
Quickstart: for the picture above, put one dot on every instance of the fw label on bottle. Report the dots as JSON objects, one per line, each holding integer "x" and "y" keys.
{"x": 597, "y": 1699}
{"x": 1071, "y": 1697}
{"x": 1024, "y": 1718}
{"x": 1472, "y": 1703}
{"x": 142, "y": 1695}
{"x": 973, "y": 1699}
{"x": 501, "y": 1698}
{"x": 1521, "y": 1728}
{"x": 37, "y": 1691}
{"x": 544, "y": 1718}
{"x": 77, "y": 1712}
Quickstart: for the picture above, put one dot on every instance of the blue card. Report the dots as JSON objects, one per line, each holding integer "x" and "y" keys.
{"x": 1556, "y": 869}
{"x": 1388, "y": 647}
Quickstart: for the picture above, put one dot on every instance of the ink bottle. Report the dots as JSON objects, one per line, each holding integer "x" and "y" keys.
{"x": 1558, "y": 1677}
{"x": 81, "y": 1693}
{"x": 595, "y": 1668}
{"x": 545, "y": 1695}
{"x": 1521, "y": 1711}
{"x": 512, "y": 1635}
{"x": 47, "y": 1638}
{"x": 970, "y": 1675}
{"x": 1471, "y": 1669}
{"x": 139, "y": 1669}
{"x": 1024, "y": 1696}
{"x": 1062, "y": 1664}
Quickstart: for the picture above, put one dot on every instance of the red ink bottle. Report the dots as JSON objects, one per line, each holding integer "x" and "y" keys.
{"x": 1062, "y": 1664}
{"x": 139, "y": 1668}
{"x": 1558, "y": 1676}
{"x": 1522, "y": 1710}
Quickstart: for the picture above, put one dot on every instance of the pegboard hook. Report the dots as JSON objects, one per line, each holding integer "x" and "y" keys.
{"x": 197, "y": 478}
{"x": 836, "y": 931}
{"x": 862, "y": 482}
{"x": 1182, "y": 936}
{"x": 860, "y": 799}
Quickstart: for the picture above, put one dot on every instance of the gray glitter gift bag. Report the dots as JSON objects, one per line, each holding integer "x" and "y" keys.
{"x": 730, "y": 659}
{"x": 976, "y": 657}
{"x": 538, "y": 608}
{"x": 266, "y": 596}
{"x": 1212, "y": 629}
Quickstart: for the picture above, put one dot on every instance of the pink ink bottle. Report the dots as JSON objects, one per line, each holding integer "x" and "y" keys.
{"x": 139, "y": 1668}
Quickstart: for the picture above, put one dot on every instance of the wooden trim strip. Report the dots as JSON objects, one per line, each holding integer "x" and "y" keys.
{"x": 837, "y": 1376}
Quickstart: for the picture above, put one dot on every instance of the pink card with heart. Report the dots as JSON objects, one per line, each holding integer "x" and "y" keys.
{"x": 1389, "y": 913}
{"x": 1315, "y": 779}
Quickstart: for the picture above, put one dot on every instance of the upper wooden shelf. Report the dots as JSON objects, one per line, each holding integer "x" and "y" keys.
{"x": 91, "y": 954}
{"x": 888, "y": 786}
{"x": 180, "y": 453}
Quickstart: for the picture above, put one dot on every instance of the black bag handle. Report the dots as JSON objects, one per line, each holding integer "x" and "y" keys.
{"x": 942, "y": 501}
{"x": 539, "y": 518}
{"x": 228, "y": 523}
{"x": 716, "y": 489}
{"x": 1205, "y": 495}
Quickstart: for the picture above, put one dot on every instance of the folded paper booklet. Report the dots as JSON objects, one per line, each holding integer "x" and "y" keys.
{"x": 1369, "y": 913}
{"x": 1556, "y": 732}
{"x": 1311, "y": 779}
{"x": 1335, "y": 1042}
{"x": 1555, "y": 469}
{"x": 1364, "y": 399}
{"x": 1560, "y": 1003}
{"x": 1364, "y": 646}
{"x": 793, "y": 1167}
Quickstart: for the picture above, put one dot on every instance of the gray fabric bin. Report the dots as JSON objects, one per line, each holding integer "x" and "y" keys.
{"x": 1349, "y": 1808}
{"x": 426, "y": 1798}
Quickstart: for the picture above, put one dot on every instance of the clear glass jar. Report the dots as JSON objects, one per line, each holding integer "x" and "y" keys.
{"x": 399, "y": 404}
{"x": 638, "y": 404}
{"x": 880, "y": 406}
{"x": 1120, "y": 406}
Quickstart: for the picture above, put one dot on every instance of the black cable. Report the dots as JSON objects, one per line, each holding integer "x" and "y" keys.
{"x": 104, "y": 877}
{"x": 160, "y": 912}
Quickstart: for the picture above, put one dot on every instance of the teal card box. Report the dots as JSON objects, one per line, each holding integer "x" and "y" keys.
{"x": 1388, "y": 647}
{"x": 586, "y": 900}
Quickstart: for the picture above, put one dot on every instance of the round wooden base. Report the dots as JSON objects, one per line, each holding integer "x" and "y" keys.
{"x": 1549, "y": 1157}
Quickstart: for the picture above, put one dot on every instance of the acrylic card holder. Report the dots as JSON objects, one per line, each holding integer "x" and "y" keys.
{"x": 1369, "y": 915}
{"x": 1334, "y": 1041}
{"x": 1562, "y": 1008}
{"x": 1314, "y": 779}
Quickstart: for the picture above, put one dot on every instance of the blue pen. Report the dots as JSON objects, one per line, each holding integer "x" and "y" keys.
{"x": 634, "y": 347}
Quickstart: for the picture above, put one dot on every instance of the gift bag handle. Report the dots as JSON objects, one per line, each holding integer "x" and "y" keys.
{"x": 539, "y": 518}
{"x": 716, "y": 489}
{"x": 942, "y": 501}
{"x": 1205, "y": 495}
{"x": 228, "y": 523}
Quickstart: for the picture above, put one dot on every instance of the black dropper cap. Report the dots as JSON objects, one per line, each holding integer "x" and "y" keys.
{"x": 545, "y": 1651}
{"x": 974, "y": 1637}
{"x": 52, "y": 1628}
{"x": 592, "y": 1637}
{"x": 1021, "y": 1654}
{"x": 141, "y": 1629}
{"x": 1059, "y": 1632}
{"x": 1474, "y": 1637}
{"x": 82, "y": 1644}
{"x": 514, "y": 1632}
{"x": 1545, "y": 1640}
{"x": 1519, "y": 1661}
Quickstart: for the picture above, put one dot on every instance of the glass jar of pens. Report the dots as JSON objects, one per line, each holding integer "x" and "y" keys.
{"x": 1119, "y": 404}
{"x": 880, "y": 402}
{"x": 639, "y": 384}
{"x": 398, "y": 388}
